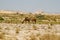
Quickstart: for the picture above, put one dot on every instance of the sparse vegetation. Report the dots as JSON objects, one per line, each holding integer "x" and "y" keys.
{"x": 41, "y": 19}
{"x": 11, "y": 27}
{"x": 1, "y": 19}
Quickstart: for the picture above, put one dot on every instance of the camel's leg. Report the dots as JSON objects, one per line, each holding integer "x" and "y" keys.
{"x": 28, "y": 21}
{"x": 34, "y": 21}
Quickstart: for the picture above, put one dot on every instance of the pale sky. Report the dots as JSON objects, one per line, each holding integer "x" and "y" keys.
{"x": 31, "y": 5}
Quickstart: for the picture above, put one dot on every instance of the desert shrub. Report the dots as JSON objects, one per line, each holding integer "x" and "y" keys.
{"x": 41, "y": 17}
{"x": 1, "y": 18}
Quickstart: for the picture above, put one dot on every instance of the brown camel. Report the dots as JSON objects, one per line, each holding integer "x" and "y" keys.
{"x": 31, "y": 19}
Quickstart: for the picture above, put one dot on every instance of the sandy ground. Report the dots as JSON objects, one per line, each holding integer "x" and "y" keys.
{"x": 26, "y": 31}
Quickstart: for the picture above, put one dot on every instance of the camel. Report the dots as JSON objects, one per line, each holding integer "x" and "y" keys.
{"x": 29, "y": 20}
